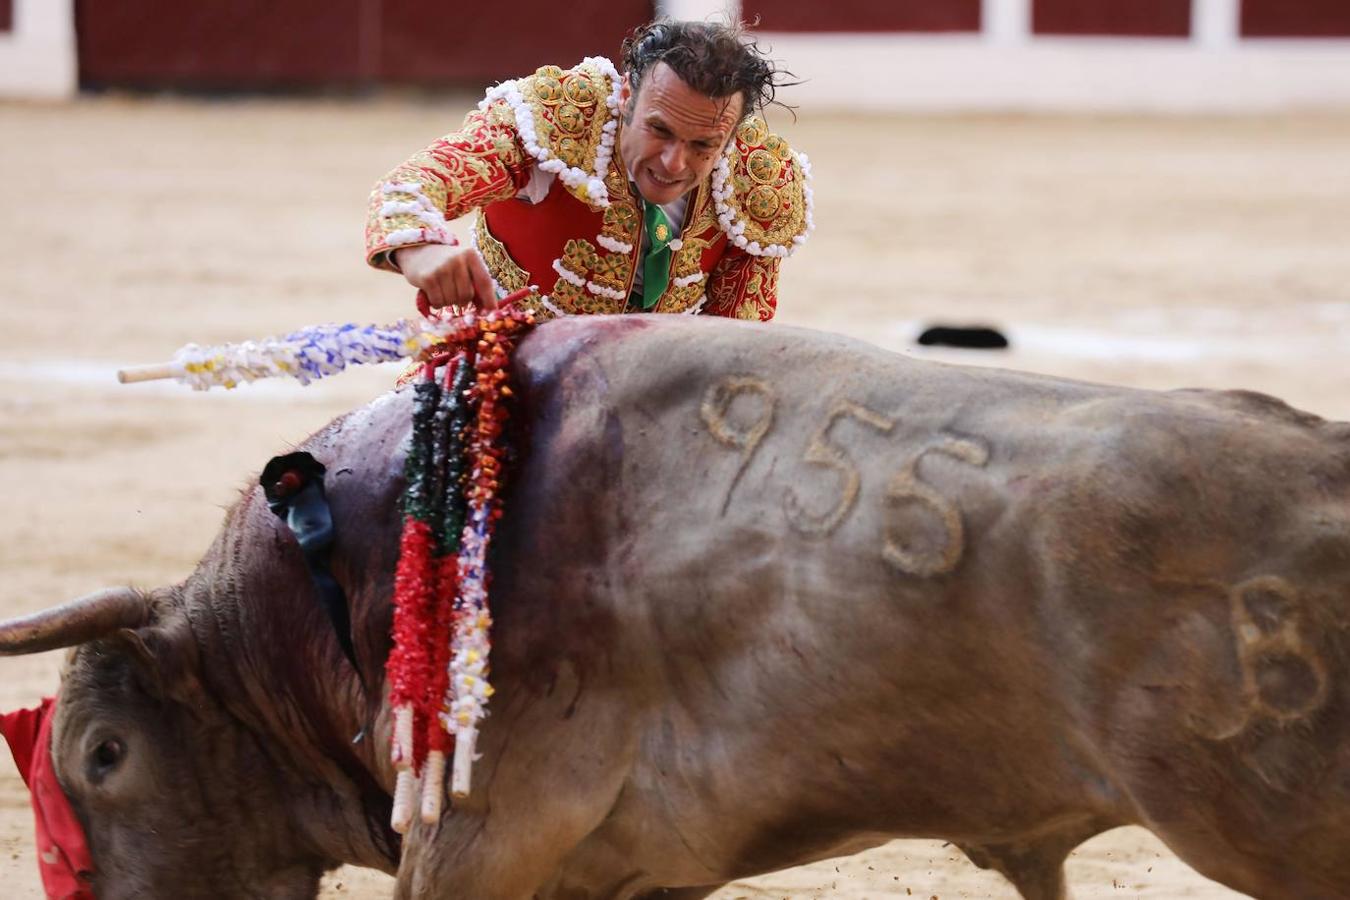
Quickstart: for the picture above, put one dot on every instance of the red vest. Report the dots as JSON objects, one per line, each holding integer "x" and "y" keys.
{"x": 526, "y": 244}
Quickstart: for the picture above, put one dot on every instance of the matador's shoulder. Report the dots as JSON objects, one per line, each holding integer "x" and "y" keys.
{"x": 763, "y": 192}
{"x": 567, "y": 119}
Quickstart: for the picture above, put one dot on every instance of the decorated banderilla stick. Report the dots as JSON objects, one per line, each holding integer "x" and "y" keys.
{"x": 305, "y": 355}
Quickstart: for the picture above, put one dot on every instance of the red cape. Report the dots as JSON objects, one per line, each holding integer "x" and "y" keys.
{"x": 63, "y": 854}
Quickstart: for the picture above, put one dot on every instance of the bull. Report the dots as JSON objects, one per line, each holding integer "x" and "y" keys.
{"x": 762, "y": 596}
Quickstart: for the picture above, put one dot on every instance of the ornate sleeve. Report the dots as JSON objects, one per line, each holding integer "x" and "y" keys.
{"x": 482, "y": 162}
{"x": 762, "y": 191}
{"x": 743, "y": 286}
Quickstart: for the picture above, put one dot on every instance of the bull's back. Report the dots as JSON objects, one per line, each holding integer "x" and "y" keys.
{"x": 946, "y": 577}
{"x": 696, "y": 480}
{"x": 923, "y": 555}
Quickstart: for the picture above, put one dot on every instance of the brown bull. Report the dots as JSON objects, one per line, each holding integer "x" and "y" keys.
{"x": 762, "y": 597}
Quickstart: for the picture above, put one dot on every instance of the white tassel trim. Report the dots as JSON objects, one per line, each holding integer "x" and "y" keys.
{"x": 419, "y": 199}
{"x": 551, "y": 306}
{"x": 395, "y": 207}
{"x": 688, "y": 280}
{"x": 600, "y": 290}
{"x": 406, "y": 236}
{"x": 436, "y": 230}
{"x": 615, "y": 246}
{"x": 693, "y": 310}
{"x": 805, "y": 163}
{"x": 432, "y": 220}
{"x": 735, "y": 228}
{"x": 568, "y": 275}
{"x": 573, "y": 177}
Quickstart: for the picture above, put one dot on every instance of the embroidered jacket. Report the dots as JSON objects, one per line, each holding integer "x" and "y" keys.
{"x": 579, "y": 245}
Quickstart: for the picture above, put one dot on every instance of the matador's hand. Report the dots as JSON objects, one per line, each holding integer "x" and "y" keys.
{"x": 448, "y": 275}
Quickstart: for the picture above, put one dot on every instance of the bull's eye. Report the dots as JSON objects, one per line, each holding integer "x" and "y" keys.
{"x": 108, "y": 754}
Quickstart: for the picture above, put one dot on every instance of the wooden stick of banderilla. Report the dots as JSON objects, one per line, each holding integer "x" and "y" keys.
{"x": 157, "y": 372}
{"x": 461, "y": 771}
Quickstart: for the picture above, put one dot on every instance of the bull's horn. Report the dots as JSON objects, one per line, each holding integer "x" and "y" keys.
{"x": 75, "y": 622}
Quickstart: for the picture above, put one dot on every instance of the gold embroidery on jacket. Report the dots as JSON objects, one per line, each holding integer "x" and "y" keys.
{"x": 700, "y": 220}
{"x": 611, "y": 270}
{"x": 568, "y": 297}
{"x": 743, "y": 287}
{"x": 768, "y": 185}
{"x": 581, "y": 259}
{"x": 569, "y": 112}
{"x": 510, "y": 276}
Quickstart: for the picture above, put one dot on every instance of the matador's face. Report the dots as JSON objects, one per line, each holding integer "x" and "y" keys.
{"x": 672, "y": 134}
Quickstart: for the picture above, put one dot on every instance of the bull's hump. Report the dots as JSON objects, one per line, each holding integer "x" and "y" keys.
{"x": 559, "y": 344}
{"x": 646, "y": 342}
{"x": 351, "y": 439}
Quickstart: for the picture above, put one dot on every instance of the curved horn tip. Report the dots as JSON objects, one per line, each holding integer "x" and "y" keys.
{"x": 75, "y": 622}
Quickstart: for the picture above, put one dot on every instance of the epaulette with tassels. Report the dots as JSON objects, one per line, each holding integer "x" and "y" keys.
{"x": 437, "y": 671}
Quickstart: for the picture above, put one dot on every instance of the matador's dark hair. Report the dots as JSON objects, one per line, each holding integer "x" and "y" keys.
{"x": 713, "y": 58}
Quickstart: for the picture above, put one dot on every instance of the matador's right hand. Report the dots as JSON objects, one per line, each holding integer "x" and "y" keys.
{"x": 448, "y": 275}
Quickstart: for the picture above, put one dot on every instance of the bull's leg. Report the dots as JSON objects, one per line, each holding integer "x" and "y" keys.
{"x": 470, "y": 857}
{"x": 1035, "y": 866}
{"x": 1037, "y": 874}
{"x": 540, "y": 786}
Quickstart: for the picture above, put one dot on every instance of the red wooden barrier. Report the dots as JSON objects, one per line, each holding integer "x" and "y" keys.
{"x": 863, "y": 15}
{"x": 1125, "y": 18}
{"x": 218, "y": 43}
{"x": 1295, "y": 18}
{"x": 265, "y": 44}
{"x": 478, "y": 43}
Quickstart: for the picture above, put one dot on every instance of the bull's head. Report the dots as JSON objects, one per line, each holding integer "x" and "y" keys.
{"x": 174, "y": 797}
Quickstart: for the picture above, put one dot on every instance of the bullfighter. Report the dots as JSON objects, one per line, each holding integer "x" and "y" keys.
{"x": 658, "y": 190}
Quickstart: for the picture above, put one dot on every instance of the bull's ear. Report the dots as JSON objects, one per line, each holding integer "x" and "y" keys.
{"x": 84, "y": 619}
{"x": 164, "y": 658}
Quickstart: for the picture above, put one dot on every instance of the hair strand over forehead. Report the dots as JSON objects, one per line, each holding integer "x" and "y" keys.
{"x": 715, "y": 59}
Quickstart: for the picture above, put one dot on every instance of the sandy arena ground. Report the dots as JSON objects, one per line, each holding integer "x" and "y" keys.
{"x": 1152, "y": 252}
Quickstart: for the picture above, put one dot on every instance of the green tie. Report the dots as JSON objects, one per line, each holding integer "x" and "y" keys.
{"x": 656, "y": 266}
